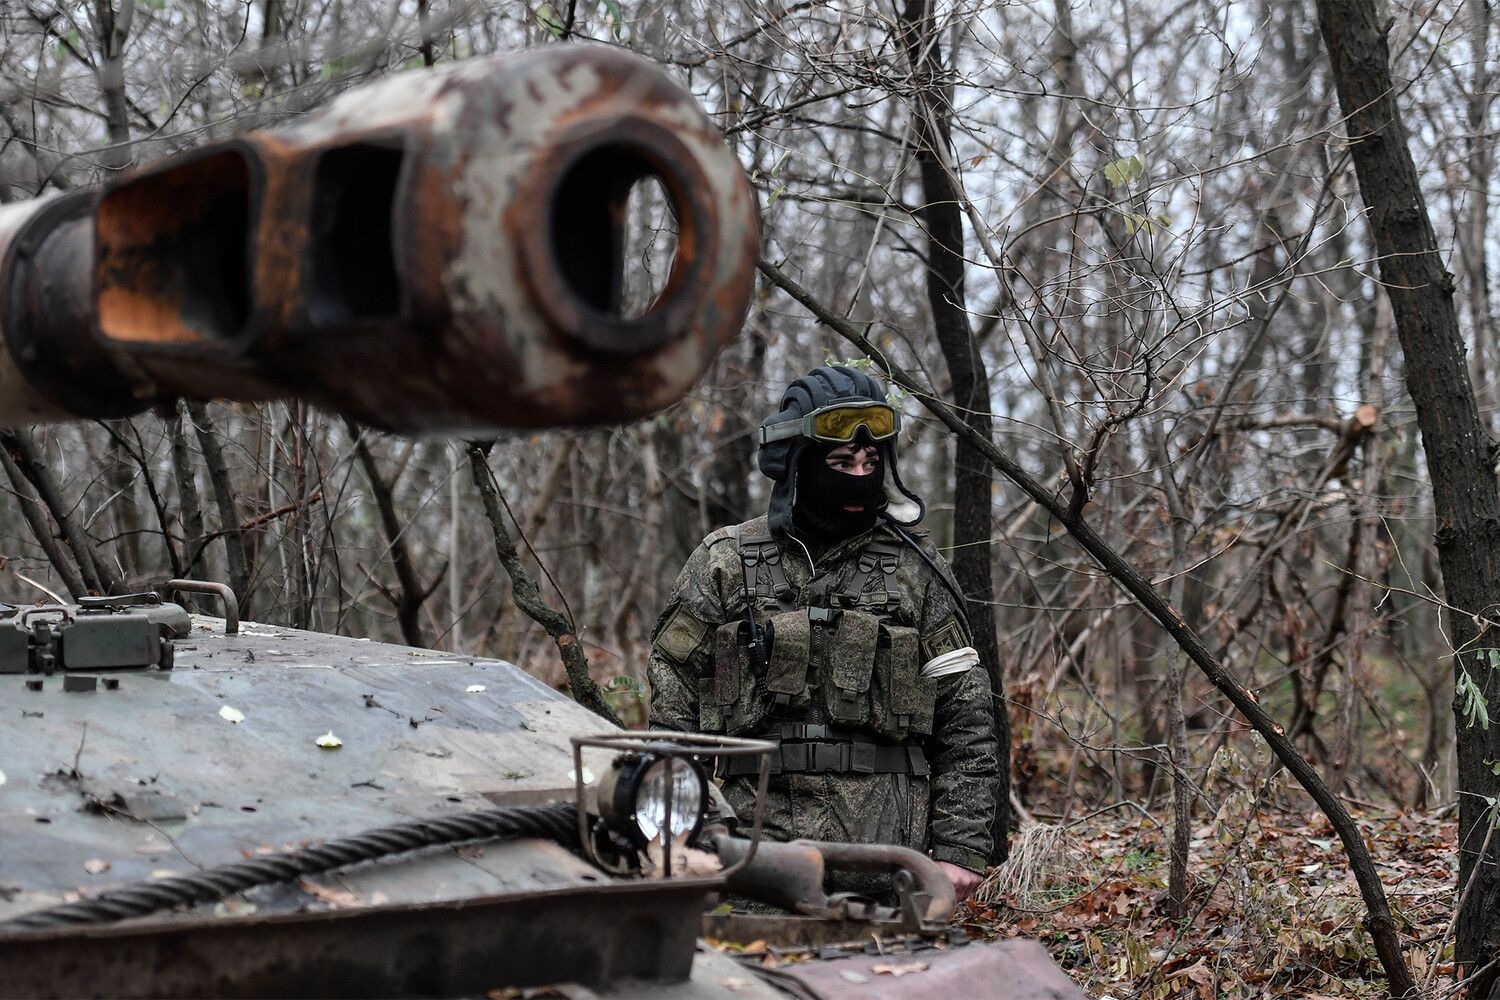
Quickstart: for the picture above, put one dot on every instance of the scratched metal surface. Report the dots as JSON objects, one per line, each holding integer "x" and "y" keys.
{"x": 185, "y": 788}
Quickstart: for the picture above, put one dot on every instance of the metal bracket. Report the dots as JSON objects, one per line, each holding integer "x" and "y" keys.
{"x": 219, "y": 590}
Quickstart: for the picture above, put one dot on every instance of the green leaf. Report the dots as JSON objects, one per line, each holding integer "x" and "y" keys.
{"x": 614, "y": 17}
{"x": 1471, "y": 701}
{"x": 549, "y": 19}
{"x": 1125, "y": 171}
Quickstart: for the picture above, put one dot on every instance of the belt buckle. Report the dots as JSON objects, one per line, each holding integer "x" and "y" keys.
{"x": 862, "y": 758}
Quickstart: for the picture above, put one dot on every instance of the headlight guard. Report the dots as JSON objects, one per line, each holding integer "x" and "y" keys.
{"x": 652, "y": 774}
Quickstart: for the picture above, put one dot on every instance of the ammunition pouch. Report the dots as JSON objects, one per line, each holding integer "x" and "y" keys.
{"x": 849, "y": 663}
{"x": 902, "y": 699}
{"x": 786, "y": 679}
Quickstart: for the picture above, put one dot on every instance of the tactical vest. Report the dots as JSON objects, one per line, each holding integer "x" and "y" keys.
{"x": 840, "y": 687}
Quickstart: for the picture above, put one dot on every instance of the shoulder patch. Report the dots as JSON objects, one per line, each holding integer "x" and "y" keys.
{"x": 718, "y": 535}
{"x": 680, "y": 636}
{"x": 948, "y": 637}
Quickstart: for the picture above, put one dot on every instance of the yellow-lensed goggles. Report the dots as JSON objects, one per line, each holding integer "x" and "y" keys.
{"x": 838, "y": 423}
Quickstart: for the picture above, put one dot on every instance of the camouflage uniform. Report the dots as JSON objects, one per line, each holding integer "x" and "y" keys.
{"x": 871, "y": 752}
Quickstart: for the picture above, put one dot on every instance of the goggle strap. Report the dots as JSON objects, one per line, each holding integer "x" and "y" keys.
{"x": 782, "y": 431}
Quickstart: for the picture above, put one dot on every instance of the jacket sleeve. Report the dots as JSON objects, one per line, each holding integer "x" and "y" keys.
{"x": 682, "y": 645}
{"x": 962, "y": 747}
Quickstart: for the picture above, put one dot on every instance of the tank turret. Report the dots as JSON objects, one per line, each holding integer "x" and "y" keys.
{"x": 443, "y": 250}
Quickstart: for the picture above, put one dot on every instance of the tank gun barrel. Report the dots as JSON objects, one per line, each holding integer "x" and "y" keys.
{"x": 441, "y": 251}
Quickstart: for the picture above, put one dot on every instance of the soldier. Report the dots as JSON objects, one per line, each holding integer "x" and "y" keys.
{"x": 852, "y": 651}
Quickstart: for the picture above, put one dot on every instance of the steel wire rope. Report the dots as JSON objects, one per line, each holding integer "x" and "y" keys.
{"x": 558, "y": 823}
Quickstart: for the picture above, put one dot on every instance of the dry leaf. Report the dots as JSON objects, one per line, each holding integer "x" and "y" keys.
{"x": 1199, "y": 973}
{"x": 328, "y": 741}
{"x": 328, "y": 894}
{"x": 232, "y": 715}
{"x": 898, "y": 968}
{"x": 234, "y": 906}
{"x": 735, "y": 983}
{"x": 850, "y": 976}
{"x": 474, "y": 689}
{"x": 96, "y": 865}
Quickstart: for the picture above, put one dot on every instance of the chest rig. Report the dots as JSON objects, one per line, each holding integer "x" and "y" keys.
{"x": 839, "y": 686}
{"x": 880, "y": 557}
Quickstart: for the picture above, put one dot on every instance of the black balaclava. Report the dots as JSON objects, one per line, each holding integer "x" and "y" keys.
{"x": 823, "y": 492}
{"x": 782, "y": 460}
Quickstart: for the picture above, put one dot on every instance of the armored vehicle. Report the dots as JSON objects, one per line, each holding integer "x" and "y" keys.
{"x": 195, "y": 805}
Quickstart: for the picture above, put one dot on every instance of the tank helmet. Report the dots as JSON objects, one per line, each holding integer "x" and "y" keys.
{"x": 833, "y": 404}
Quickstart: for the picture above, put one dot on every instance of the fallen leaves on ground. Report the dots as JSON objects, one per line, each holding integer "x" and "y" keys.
{"x": 1273, "y": 909}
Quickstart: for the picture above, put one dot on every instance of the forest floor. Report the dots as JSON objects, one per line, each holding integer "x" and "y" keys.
{"x": 1273, "y": 910}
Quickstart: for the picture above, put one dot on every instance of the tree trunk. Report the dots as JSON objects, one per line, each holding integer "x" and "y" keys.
{"x": 33, "y": 510}
{"x": 411, "y": 592}
{"x": 219, "y": 481}
{"x": 113, "y": 28}
{"x": 96, "y": 575}
{"x": 187, "y": 494}
{"x": 973, "y": 517}
{"x": 1460, "y": 454}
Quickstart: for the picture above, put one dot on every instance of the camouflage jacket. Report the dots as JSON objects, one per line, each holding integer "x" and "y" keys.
{"x": 948, "y": 814}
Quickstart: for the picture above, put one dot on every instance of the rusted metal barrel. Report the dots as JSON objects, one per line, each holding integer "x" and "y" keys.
{"x": 443, "y": 250}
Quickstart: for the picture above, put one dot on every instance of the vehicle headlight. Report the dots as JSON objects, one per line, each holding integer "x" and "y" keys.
{"x": 653, "y": 799}
{"x": 645, "y": 795}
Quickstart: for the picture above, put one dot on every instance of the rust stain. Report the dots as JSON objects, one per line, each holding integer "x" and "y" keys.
{"x": 130, "y": 316}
